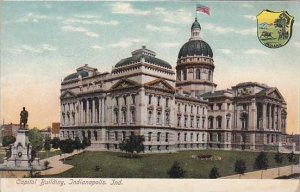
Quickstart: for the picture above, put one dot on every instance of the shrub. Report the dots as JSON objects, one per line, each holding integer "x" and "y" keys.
{"x": 214, "y": 173}
{"x": 176, "y": 171}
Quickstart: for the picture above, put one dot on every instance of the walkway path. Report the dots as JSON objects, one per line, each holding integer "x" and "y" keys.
{"x": 267, "y": 174}
{"x": 56, "y": 162}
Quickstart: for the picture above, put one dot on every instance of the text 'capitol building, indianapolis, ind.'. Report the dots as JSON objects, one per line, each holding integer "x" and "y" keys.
{"x": 173, "y": 109}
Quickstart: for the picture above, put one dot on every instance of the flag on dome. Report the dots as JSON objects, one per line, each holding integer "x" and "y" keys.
{"x": 202, "y": 9}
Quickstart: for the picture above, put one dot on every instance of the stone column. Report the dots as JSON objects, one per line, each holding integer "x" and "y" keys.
{"x": 93, "y": 112}
{"x": 77, "y": 112}
{"x": 253, "y": 116}
{"x": 61, "y": 112}
{"x": 100, "y": 111}
{"x": 264, "y": 115}
{"x": 279, "y": 119}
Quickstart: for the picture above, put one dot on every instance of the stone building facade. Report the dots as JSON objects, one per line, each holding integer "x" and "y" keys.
{"x": 173, "y": 111}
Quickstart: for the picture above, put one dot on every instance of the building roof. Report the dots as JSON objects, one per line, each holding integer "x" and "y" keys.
{"x": 219, "y": 93}
{"x": 143, "y": 54}
{"x": 195, "y": 47}
{"x": 76, "y": 75}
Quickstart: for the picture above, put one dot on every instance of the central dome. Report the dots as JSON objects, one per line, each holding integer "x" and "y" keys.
{"x": 195, "y": 47}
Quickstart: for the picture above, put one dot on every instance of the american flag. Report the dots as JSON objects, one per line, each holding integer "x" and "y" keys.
{"x": 202, "y": 9}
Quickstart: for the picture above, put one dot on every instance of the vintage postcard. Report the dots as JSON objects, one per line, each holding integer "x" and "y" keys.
{"x": 149, "y": 95}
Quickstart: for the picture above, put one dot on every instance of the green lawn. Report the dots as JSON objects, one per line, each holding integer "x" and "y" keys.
{"x": 115, "y": 165}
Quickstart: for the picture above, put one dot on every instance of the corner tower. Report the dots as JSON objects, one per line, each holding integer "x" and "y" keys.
{"x": 195, "y": 64}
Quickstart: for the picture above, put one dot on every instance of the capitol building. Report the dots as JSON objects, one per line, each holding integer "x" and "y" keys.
{"x": 174, "y": 109}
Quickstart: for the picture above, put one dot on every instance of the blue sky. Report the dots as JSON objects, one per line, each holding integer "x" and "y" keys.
{"x": 42, "y": 42}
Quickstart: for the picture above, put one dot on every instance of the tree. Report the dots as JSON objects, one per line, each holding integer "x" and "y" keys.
{"x": 214, "y": 173}
{"x": 55, "y": 142}
{"x": 240, "y": 167}
{"x": 66, "y": 146}
{"x": 282, "y": 22}
{"x": 7, "y": 140}
{"x": 47, "y": 144}
{"x": 176, "y": 171}
{"x": 278, "y": 159}
{"x": 77, "y": 143}
{"x": 133, "y": 144}
{"x": 85, "y": 142}
{"x": 36, "y": 139}
{"x": 261, "y": 162}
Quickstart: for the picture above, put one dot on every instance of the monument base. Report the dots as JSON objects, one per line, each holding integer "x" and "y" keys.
{"x": 21, "y": 156}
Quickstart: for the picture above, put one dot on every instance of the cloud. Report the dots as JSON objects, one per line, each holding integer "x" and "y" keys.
{"x": 246, "y": 5}
{"x": 32, "y": 49}
{"x": 33, "y": 18}
{"x": 226, "y": 51}
{"x": 127, "y": 42}
{"x": 228, "y": 30}
{"x": 127, "y": 9}
{"x": 178, "y": 16}
{"x": 251, "y": 17}
{"x": 88, "y": 20}
{"x": 97, "y": 47}
{"x": 255, "y": 52}
{"x": 159, "y": 28}
{"x": 70, "y": 28}
{"x": 169, "y": 44}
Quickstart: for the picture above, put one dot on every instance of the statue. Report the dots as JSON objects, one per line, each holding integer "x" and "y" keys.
{"x": 23, "y": 118}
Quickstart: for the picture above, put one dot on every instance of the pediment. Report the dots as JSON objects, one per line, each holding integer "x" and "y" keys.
{"x": 274, "y": 93}
{"x": 67, "y": 94}
{"x": 124, "y": 83}
{"x": 160, "y": 84}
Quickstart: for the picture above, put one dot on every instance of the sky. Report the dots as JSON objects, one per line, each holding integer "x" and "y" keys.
{"x": 43, "y": 42}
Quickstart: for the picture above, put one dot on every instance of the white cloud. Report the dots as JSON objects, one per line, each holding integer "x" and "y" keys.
{"x": 127, "y": 42}
{"x": 88, "y": 20}
{"x": 177, "y": 16}
{"x": 159, "y": 28}
{"x": 32, "y": 49}
{"x": 70, "y": 28}
{"x": 126, "y": 8}
{"x": 251, "y": 17}
{"x": 169, "y": 44}
{"x": 226, "y": 51}
{"x": 32, "y": 17}
{"x": 227, "y": 30}
{"x": 97, "y": 47}
{"x": 256, "y": 52}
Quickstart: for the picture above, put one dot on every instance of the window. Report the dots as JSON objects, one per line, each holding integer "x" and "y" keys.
{"x": 185, "y": 108}
{"x": 123, "y": 135}
{"x": 228, "y": 106}
{"x": 197, "y": 109}
{"x": 203, "y": 111}
{"x": 167, "y": 137}
{"x": 117, "y": 101}
{"x": 158, "y": 117}
{"x": 185, "y": 134}
{"x": 203, "y": 137}
{"x": 209, "y": 75}
{"x": 124, "y": 116}
{"x": 220, "y": 106}
{"x": 167, "y": 102}
{"x": 149, "y": 101}
{"x": 197, "y": 122}
{"x": 116, "y": 116}
{"x": 203, "y": 122}
{"x": 192, "y": 135}
{"x": 133, "y": 99}
{"x": 178, "y": 136}
{"x": 95, "y": 135}
{"x": 133, "y": 116}
{"x": 158, "y": 136}
{"x": 167, "y": 119}
{"x": 178, "y": 121}
{"x": 192, "y": 122}
{"x": 158, "y": 101}
{"x": 149, "y": 136}
{"x": 197, "y": 73}
{"x": 125, "y": 100}
{"x": 184, "y": 74}
{"x": 185, "y": 121}
{"x": 192, "y": 109}
{"x": 150, "y": 117}
{"x": 197, "y": 137}
{"x": 210, "y": 122}
{"x": 211, "y": 107}
{"x": 116, "y": 135}
{"x": 89, "y": 135}
{"x": 219, "y": 122}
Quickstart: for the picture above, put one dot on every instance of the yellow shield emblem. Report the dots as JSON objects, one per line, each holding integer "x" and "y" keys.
{"x": 274, "y": 29}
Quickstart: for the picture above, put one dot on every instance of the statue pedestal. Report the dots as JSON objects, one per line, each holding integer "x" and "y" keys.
{"x": 20, "y": 158}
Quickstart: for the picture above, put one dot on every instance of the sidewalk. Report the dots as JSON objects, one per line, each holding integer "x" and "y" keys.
{"x": 267, "y": 174}
{"x": 56, "y": 162}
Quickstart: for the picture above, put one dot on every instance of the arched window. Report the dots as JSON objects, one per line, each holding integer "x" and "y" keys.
{"x": 133, "y": 116}
{"x": 124, "y": 116}
{"x": 244, "y": 121}
{"x": 209, "y": 75}
{"x": 197, "y": 73}
{"x": 158, "y": 117}
{"x": 89, "y": 134}
{"x": 133, "y": 99}
{"x": 219, "y": 122}
{"x": 95, "y": 135}
{"x": 167, "y": 118}
{"x": 116, "y": 116}
{"x": 210, "y": 122}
